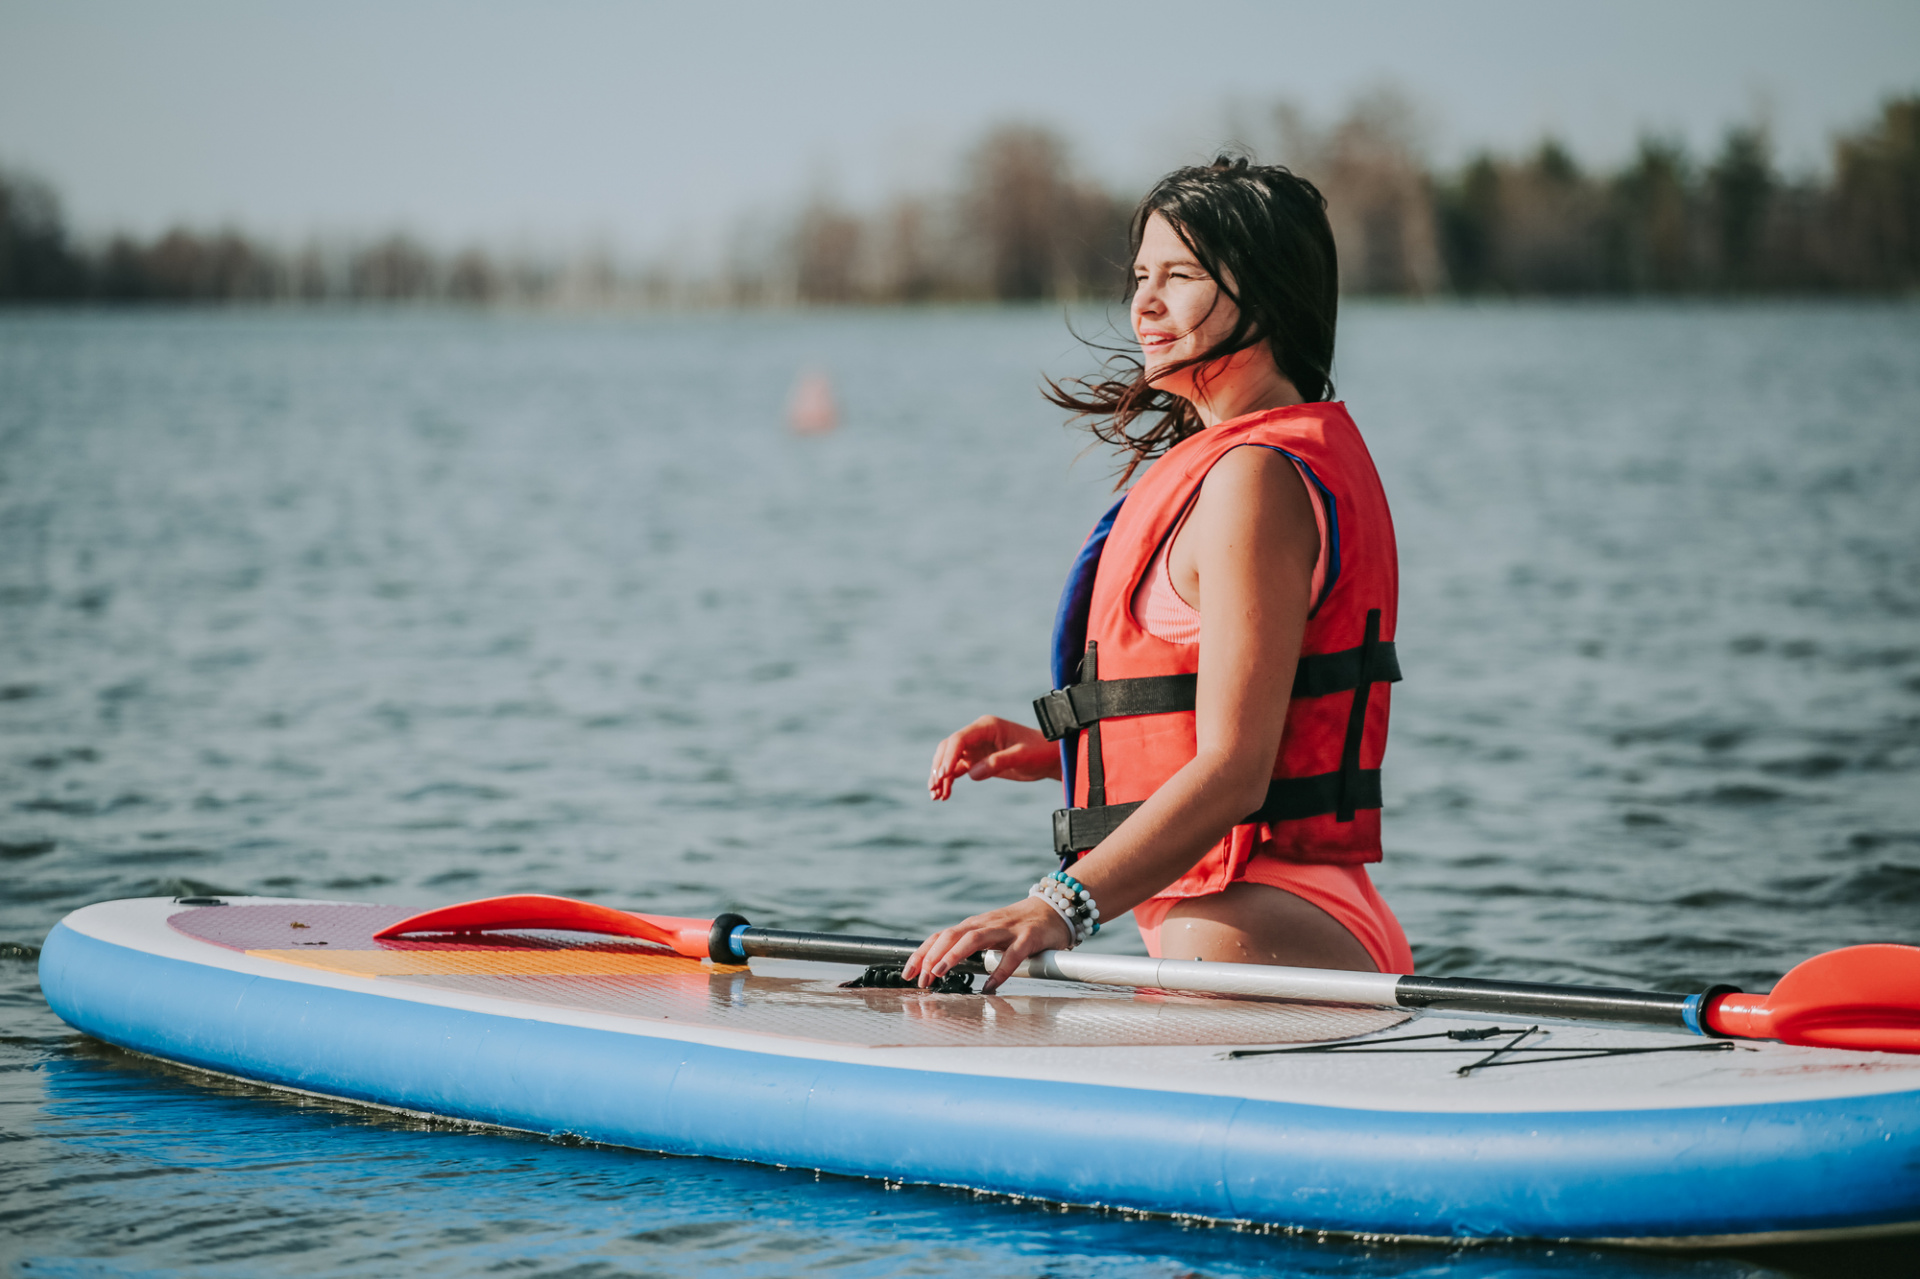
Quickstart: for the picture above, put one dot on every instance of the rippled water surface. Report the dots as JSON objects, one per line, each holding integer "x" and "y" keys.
{"x": 411, "y": 608}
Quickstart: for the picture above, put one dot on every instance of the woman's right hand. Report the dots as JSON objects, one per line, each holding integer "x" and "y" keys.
{"x": 992, "y": 747}
{"x": 1025, "y": 928}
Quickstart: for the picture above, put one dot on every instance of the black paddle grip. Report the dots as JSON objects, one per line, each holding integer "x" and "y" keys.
{"x": 835, "y": 948}
{"x": 1530, "y": 999}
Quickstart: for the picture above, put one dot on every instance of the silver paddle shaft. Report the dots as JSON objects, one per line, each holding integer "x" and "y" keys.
{"x": 1316, "y": 985}
{"x": 1261, "y": 981}
{"x": 1387, "y": 990}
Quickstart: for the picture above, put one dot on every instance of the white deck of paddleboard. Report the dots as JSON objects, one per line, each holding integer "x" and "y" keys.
{"x": 1749, "y": 1074}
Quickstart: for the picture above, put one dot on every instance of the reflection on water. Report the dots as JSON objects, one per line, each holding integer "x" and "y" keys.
{"x": 422, "y": 608}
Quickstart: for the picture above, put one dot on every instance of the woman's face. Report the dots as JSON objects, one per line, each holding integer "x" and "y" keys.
{"x": 1179, "y": 311}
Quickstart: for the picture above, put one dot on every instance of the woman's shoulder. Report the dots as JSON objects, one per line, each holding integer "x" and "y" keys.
{"x": 1250, "y": 480}
{"x": 1250, "y": 463}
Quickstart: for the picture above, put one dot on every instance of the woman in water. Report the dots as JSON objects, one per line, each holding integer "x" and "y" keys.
{"x": 1224, "y": 646}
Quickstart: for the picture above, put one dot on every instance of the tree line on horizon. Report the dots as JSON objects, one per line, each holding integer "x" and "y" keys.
{"x": 1022, "y": 225}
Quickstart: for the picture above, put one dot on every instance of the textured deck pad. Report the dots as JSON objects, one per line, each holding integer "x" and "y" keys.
{"x": 634, "y": 979}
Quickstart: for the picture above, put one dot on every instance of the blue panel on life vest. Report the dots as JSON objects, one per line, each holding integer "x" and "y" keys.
{"x": 1070, "y": 624}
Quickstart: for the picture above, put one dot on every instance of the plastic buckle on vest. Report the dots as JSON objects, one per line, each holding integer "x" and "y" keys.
{"x": 1055, "y": 713}
{"x": 1063, "y": 832}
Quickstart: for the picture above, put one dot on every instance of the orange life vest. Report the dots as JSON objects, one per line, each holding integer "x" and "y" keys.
{"x": 1125, "y": 715}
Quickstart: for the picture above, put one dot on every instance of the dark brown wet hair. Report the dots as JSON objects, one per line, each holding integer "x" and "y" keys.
{"x": 1261, "y": 232}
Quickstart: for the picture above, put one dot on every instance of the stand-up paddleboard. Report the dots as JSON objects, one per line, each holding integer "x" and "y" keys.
{"x": 1324, "y": 1117}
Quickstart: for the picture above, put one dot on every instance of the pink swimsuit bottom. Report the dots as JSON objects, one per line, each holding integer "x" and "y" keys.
{"x": 1344, "y": 892}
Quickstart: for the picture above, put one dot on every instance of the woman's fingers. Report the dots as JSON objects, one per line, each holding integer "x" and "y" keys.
{"x": 1046, "y": 931}
{"x": 911, "y": 968}
{"x": 939, "y": 778}
{"x": 964, "y": 947}
{"x": 1021, "y": 761}
{"x": 938, "y": 954}
{"x": 1010, "y": 961}
{"x": 935, "y": 956}
{"x": 948, "y": 763}
{"x": 983, "y": 767}
{"x": 946, "y": 757}
{"x": 1018, "y": 931}
{"x": 1001, "y": 761}
{"x": 994, "y": 747}
{"x": 964, "y": 753}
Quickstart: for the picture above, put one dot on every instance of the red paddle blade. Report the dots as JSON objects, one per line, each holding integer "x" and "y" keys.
{"x": 1863, "y": 997}
{"x": 537, "y": 910}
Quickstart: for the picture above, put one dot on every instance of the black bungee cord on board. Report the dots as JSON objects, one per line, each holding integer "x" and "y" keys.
{"x": 887, "y": 977}
{"x": 1480, "y": 1034}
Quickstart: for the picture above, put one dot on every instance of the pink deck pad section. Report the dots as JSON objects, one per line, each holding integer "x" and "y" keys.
{"x": 351, "y": 927}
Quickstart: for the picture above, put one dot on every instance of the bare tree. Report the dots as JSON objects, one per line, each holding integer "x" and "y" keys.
{"x": 1379, "y": 197}
{"x": 1740, "y": 186}
{"x": 35, "y": 260}
{"x": 1877, "y": 198}
{"x": 1038, "y": 230}
{"x": 827, "y": 244}
{"x": 391, "y": 270}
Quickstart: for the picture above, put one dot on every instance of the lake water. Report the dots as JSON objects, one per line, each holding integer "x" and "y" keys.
{"x": 417, "y": 607}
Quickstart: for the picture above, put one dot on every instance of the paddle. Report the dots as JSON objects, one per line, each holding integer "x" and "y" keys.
{"x": 1860, "y": 997}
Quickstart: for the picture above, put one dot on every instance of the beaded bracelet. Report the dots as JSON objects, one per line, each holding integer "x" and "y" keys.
{"x": 1073, "y": 902}
{"x": 1061, "y": 905}
{"x": 1066, "y": 915}
{"x": 1079, "y": 892}
{"x": 1070, "y": 909}
{"x": 1061, "y": 877}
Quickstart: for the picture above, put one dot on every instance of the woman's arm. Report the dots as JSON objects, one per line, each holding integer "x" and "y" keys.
{"x": 1245, "y": 559}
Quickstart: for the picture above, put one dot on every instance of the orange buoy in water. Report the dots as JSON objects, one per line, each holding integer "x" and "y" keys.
{"x": 810, "y": 409}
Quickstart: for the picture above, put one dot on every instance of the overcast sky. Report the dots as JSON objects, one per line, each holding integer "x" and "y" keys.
{"x": 647, "y": 125}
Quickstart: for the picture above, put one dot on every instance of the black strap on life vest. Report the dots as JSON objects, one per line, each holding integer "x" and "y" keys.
{"x": 1081, "y": 706}
{"x": 1351, "y": 791}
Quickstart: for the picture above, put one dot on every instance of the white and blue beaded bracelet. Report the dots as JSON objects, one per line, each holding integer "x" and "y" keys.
{"x": 1078, "y": 892}
{"x": 1071, "y": 900}
{"x": 1062, "y": 906}
{"x": 1073, "y": 930}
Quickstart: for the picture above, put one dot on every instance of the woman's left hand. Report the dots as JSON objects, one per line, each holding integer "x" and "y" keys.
{"x": 1022, "y": 929}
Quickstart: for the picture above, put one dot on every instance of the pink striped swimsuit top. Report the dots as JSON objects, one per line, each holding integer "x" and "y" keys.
{"x": 1164, "y": 615}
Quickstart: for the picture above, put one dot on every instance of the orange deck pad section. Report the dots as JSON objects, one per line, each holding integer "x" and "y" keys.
{"x": 504, "y": 962}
